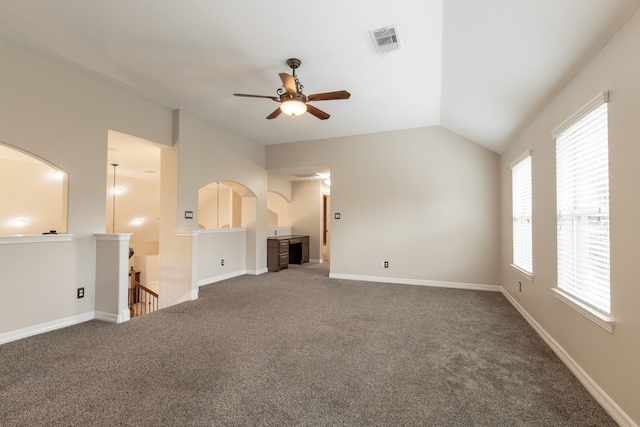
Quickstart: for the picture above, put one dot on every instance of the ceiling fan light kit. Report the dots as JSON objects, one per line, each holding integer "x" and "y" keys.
{"x": 292, "y": 101}
{"x": 293, "y": 107}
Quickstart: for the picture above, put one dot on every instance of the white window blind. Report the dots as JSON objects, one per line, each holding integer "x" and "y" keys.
{"x": 582, "y": 179}
{"x": 522, "y": 213}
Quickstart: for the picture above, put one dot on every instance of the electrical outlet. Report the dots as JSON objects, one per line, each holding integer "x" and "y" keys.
{"x": 520, "y": 286}
{"x": 80, "y": 292}
{"x": 386, "y": 264}
{"x": 222, "y": 262}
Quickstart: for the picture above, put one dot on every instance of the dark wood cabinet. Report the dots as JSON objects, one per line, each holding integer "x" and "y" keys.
{"x": 285, "y": 250}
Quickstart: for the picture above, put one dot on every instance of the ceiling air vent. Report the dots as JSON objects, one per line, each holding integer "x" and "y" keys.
{"x": 385, "y": 39}
{"x": 306, "y": 175}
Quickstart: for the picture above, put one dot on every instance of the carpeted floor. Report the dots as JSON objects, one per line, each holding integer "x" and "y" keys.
{"x": 296, "y": 348}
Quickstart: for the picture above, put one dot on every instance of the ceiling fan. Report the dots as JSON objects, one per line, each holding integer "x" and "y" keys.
{"x": 292, "y": 101}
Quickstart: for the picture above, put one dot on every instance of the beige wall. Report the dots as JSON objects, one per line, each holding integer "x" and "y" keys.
{"x": 141, "y": 199}
{"x": 277, "y": 210}
{"x": 426, "y": 200}
{"x": 62, "y": 115}
{"x": 611, "y": 360}
{"x": 205, "y": 153}
{"x": 305, "y": 214}
{"x": 30, "y": 191}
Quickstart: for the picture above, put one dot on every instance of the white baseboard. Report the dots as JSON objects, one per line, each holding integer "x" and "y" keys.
{"x": 315, "y": 261}
{"x": 124, "y": 315}
{"x": 618, "y": 415}
{"x": 418, "y": 282}
{"x": 106, "y": 317}
{"x": 214, "y": 279}
{"x": 45, "y": 327}
{"x": 258, "y": 272}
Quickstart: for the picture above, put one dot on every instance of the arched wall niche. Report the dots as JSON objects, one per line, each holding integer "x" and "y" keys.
{"x": 225, "y": 204}
{"x": 277, "y": 210}
{"x": 34, "y": 194}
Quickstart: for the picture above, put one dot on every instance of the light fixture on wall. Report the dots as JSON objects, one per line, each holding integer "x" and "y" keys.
{"x": 113, "y": 227}
{"x": 57, "y": 174}
{"x": 20, "y": 222}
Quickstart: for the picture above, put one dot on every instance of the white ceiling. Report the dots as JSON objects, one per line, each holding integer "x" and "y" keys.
{"x": 481, "y": 69}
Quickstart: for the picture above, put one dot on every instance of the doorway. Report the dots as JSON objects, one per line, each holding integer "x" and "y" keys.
{"x": 133, "y": 202}
{"x": 326, "y": 209}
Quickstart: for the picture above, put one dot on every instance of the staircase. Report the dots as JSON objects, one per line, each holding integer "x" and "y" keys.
{"x": 142, "y": 300}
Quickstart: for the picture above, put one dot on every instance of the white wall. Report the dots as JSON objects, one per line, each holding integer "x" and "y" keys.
{"x": 217, "y": 245}
{"x": 203, "y": 153}
{"x": 62, "y": 115}
{"x": 611, "y": 361}
{"x": 426, "y": 200}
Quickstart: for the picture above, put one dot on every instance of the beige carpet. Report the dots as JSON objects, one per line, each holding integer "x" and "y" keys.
{"x": 296, "y": 348}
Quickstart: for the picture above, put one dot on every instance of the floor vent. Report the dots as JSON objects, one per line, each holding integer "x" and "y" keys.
{"x": 385, "y": 40}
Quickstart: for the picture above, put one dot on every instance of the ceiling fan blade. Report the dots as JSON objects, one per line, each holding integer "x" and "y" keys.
{"x": 275, "y": 114}
{"x": 289, "y": 82}
{"x": 327, "y": 96}
{"x": 316, "y": 112}
{"x": 257, "y": 96}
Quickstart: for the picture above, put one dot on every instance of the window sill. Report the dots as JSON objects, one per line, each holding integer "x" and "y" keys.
{"x": 605, "y": 321}
{"x": 34, "y": 238}
{"x": 526, "y": 274}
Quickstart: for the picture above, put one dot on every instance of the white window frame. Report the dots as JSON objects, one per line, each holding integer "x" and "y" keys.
{"x": 522, "y": 214}
{"x": 583, "y": 218}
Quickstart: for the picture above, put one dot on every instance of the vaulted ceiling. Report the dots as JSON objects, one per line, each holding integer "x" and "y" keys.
{"x": 480, "y": 68}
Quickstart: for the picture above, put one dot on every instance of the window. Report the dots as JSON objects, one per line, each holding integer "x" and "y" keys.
{"x": 582, "y": 184}
{"x": 522, "y": 216}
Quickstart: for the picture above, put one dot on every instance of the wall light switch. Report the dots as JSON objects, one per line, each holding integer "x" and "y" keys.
{"x": 188, "y": 214}
{"x": 337, "y": 215}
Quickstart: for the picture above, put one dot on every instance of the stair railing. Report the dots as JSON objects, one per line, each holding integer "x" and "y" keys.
{"x": 142, "y": 300}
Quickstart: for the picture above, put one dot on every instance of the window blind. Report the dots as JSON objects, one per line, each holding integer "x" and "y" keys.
{"x": 582, "y": 179}
{"x": 522, "y": 213}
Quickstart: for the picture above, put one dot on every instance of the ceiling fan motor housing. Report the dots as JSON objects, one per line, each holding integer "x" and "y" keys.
{"x": 293, "y": 63}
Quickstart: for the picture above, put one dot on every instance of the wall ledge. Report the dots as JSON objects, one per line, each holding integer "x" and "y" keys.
{"x": 113, "y": 236}
{"x": 34, "y": 238}
{"x": 221, "y": 230}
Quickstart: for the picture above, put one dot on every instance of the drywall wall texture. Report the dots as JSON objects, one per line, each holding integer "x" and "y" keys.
{"x": 63, "y": 115}
{"x": 203, "y": 153}
{"x": 425, "y": 200}
{"x": 305, "y": 214}
{"x": 610, "y": 360}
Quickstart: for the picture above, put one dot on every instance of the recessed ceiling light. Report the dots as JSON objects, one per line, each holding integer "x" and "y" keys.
{"x": 18, "y": 222}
